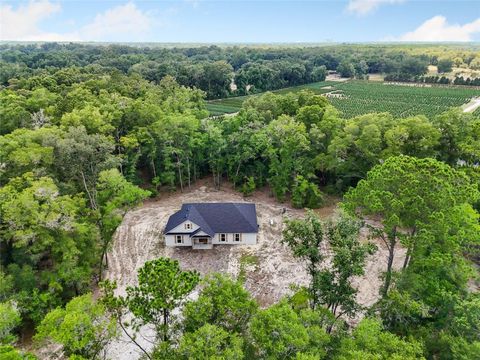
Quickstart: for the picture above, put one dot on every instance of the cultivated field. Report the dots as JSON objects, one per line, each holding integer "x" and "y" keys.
{"x": 234, "y": 104}
{"x": 269, "y": 269}
{"x": 354, "y": 98}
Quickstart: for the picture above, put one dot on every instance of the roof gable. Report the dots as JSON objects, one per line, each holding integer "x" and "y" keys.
{"x": 217, "y": 217}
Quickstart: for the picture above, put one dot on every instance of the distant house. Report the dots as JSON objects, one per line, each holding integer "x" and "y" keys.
{"x": 203, "y": 225}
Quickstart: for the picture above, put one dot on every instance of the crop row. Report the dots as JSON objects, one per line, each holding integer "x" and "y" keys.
{"x": 361, "y": 97}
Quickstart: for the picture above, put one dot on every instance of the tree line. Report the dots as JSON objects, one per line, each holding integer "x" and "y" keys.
{"x": 214, "y": 69}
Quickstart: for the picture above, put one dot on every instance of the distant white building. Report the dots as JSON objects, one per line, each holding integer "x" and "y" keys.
{"x": 203, "y": 225}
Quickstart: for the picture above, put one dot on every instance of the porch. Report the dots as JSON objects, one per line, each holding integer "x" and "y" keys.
{"x": 202, "y": 242}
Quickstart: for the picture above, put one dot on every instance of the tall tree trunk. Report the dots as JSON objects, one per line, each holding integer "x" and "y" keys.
{"x": 93, "y": 203}
{"x": 119, "y": 321}
{"x": 236, "y": 175}
{"x": 153, "y": 168}
{"x": 392, "y": 237}
{"x": 179, "y": 173}
{"x": 194, "y": 170}
{"x": 165, "y": 324}
{"x": 188, "y": 170}
{"x": 410, "y": 249}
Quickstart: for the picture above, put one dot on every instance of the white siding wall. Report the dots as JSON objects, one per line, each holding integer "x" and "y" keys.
{"x": 170, "y": 240}
{"x": 181, "y": 228}
{"x": 245, "y": 238}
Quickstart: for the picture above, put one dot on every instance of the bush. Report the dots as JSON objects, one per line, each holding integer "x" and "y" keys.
{"x": 248, "y": 186}
{"x": 9, "y": 320}
{"x": 306, "y": 194}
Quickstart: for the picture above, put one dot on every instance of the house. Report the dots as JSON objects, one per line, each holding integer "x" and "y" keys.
{"x": 203, "y": 225}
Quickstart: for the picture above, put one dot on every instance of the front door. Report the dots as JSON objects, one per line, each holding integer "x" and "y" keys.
{"x": 203, "y": 240}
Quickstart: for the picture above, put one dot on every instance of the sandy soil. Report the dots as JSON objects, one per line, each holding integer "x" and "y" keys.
{"x": 336, "y": 77}
{"x": 139, "y": 239}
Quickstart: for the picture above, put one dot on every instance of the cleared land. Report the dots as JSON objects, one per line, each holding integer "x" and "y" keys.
{"x": 269, "y": 269}
{"x": 355, "y": 98}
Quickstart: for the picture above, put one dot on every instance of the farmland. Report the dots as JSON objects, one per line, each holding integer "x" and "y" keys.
{"x": 233, "y": 104}
{"x": 354, "y": 98}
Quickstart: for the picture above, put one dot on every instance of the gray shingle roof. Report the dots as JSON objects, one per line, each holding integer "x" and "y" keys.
{"x": 217, "y": 217}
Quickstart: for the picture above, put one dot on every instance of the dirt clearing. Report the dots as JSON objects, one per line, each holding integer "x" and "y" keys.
{"x": 268, "y": 267}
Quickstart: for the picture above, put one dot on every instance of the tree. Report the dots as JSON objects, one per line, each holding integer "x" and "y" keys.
{"x": 115, "y": 196}
{"x": 9, "y": 320}
{"x": 444, "y": 65}
{"x": 248, "y": 186}
{"x": 455, "y": 127}
{"x": 406, "y": 192}
{"x": 216, "y": 79}
{"x": 222, "y": 302}
{"x": 47, "y": 241}
{"x": 81, "y": 157}
{"x": 278, "y": 333}
{"x": 369, "y": 341}
{"x": 346, "y": 69}
{"x": 210, "y": 342}
{"x": 306, "y": 194}
{"x": 355, "y": 147}
{"x": 333, "y": 285}
{"x": 8, "y": 352}
{"x": 304, "y": 238}
{"x": 319, "y": 73}
{"x": 310, "y": 114}
{"x": 162, "y": 287}
{"x": 415, "y": 136}
{"x": 82, "y": 327}
{"x": 287, "y": 153}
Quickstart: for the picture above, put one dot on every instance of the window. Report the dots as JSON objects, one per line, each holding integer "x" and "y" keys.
{"x": 188, "y": 226}
{"x": 237, "y": 237}
{"x": 179, "y": 239}
{"x": 223, "y": 237}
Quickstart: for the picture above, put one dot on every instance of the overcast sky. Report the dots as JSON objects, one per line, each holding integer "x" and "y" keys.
{"x": 240, "y": 21}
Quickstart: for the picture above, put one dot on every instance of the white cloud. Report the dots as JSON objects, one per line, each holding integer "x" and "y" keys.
{"x": 23, "y": 23}
{"x": 363, "y": 7}
{"x": 123, "y": 22}
{"x": 438, "y": 29}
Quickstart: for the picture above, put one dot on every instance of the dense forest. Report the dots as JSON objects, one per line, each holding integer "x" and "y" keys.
{"x": 88, "y": 132}
{"x": 213, "y": 69}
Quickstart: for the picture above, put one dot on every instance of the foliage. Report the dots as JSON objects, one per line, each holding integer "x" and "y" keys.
{"x": 306, "y": 194}
{"x": 210, "y": 342}
{"x": 407, "y": 192}
{"x": 115, "y": 196}
{"x": 82, "y": 327}
{"x": 222, "y": 302}
{"x": 368, "y": 341}
{"x": 304, "y": 238}
{"x": 248, "y": 186}
{"x": 278, "y": 332}
{"x": 8, "y": 352}
{"x": 333, "y": 285}
{"x": 162, "y": 287}
{"x": 9, "y": 320}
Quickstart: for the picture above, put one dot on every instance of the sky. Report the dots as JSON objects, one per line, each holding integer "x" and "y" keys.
{"x": 254, "y": 21}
